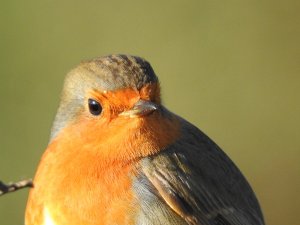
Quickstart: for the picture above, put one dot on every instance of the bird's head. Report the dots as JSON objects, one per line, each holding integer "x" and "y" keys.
{"x": 116, "y": 98}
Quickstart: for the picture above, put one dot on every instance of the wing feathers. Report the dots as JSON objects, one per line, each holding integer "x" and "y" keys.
{"x": 201, "y": 184}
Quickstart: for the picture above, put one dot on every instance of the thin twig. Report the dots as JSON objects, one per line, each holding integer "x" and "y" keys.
{"x": 11, "y": 187}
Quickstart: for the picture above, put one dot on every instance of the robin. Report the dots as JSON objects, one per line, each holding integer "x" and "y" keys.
{"x": 117, "y": 156}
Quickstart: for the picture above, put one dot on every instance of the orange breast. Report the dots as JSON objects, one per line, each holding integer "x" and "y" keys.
{"x": 86, "y": 177}
{"x": 77, "y": 190}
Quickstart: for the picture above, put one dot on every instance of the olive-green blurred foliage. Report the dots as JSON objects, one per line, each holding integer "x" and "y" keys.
{"x": 230, "y": 67}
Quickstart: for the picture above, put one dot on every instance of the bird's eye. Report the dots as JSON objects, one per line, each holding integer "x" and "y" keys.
{"x": 94, "y": 107}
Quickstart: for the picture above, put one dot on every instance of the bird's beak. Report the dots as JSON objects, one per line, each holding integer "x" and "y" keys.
{"x": 141, "y": 108}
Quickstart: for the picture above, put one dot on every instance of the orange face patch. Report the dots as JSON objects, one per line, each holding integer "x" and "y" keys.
{"x": 118, "y": 138}
{"x": 115, "y": 102}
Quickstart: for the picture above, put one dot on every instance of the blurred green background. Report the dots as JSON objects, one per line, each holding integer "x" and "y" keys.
{"x": 230, "y": 67}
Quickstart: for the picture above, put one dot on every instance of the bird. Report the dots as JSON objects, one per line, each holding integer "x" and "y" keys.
{"x": 118, "y": 156}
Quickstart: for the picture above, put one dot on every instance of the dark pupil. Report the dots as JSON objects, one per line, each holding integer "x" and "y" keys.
{"x": 94, "y": 107}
